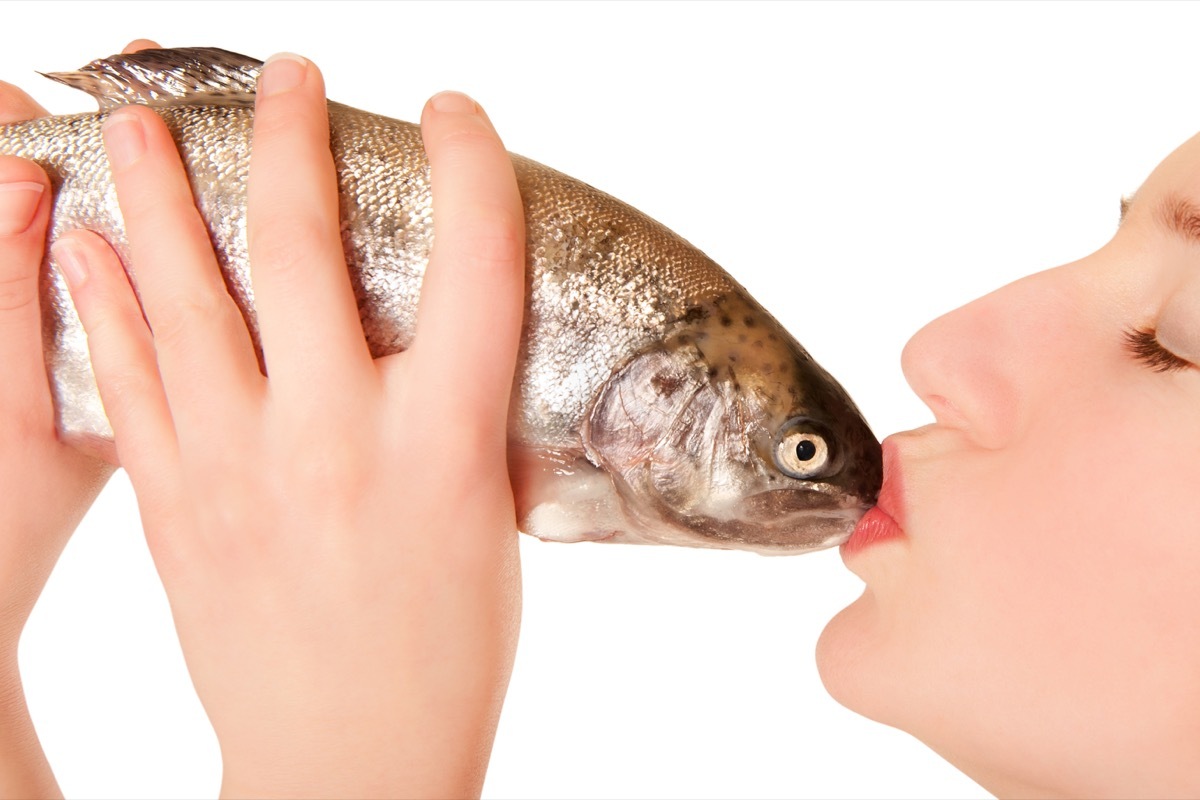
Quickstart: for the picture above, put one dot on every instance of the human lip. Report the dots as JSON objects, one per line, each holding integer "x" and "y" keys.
{"x": 875, "y": 526}
{"x": 886, "y": 520}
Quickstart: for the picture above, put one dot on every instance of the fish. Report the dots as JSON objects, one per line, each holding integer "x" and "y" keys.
{"x": 655, "y": 401}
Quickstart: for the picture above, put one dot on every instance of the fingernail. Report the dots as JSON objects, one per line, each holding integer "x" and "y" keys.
{"x": 453, "y": 103}
{"x": 282, "y": 73}
{"x": 124, "y": 138}
{"x": 71, "y": 262}
{"x": 18, "y": 204}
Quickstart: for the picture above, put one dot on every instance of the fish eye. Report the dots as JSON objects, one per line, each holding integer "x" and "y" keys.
{"x": 803, "y": 452}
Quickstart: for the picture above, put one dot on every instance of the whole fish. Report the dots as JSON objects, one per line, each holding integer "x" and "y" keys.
{"x": 654, "y": 400}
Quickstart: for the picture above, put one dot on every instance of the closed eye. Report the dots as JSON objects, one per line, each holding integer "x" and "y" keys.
{"x": 1143, "y": 345}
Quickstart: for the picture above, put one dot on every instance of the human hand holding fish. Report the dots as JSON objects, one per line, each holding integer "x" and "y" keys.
{"x": 45, "y": 485}
{"x": 349, "y": 621}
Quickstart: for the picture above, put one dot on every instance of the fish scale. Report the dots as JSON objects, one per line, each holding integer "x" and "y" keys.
{"x": 654, "y": 399}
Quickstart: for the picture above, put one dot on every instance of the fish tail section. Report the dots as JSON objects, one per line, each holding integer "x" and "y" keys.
{"x": 166, "y": 77}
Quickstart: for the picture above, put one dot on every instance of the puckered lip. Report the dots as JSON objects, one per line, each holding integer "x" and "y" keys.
{"x": 886, "y": 520}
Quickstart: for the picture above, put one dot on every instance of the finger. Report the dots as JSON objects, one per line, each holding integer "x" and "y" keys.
{"x": 308, "y": 317}
{"x": 205, "y": 354}
{"x": 122, "y": 351}
{"x": 17, "y": 106}
{"x": 469, "y": 318}
{"x": 137, "y": 45}
{"x": 24, "y": 212}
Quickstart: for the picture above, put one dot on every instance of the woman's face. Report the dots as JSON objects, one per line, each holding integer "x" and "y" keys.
{"x": 1037, "y": 621}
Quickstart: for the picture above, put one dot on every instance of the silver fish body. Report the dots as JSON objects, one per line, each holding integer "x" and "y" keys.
{"x": 655, "y": 400}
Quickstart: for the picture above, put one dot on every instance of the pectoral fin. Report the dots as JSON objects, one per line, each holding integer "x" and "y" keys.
{"x": 561, "y": 497}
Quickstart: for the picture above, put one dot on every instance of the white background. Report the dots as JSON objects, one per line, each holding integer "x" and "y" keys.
{"x": 861, "y": 168}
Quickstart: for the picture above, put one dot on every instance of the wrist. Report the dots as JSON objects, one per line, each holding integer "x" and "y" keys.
{"x": 24, "y": 770}
{"x": 12, "y": 692}
{"x": 341, "y": 771}
{"x": 396, "y": 757}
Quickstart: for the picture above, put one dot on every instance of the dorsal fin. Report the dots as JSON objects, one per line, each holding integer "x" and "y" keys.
{"x": 165, "y": 77}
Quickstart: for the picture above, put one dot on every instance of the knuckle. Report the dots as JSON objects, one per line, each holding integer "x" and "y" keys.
{"x": 329, "y": 477}
{"x": 15, "y": 168}
{"x": 468, "y": 138}
{"x": 489, "y": 236}
{"x": 480, "y": 443}
{"x": 16, "y": 105}
{"x": 18, "y": 292}
{"x": 25, "y": 424}
{"x": 151, "y": 207}
{"x": 123, "y": 389}
{"x": 284, "y": 246}
{"x": 276, "y": 120}
{"x": 290, "y": 117}
{"x": 100, "y": 324}
{"x": 22, "y": 222}
{"x": 500, "y": 248}
{"x": 334, "y": 465}
{"x": 169, "y": 536}
{"x": 182, "y": 319}
{"x": 321, "y": 451}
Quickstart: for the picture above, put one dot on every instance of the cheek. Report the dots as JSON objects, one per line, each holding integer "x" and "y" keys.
{"x": 1091, "y": 542}
{"x": 1046, "y": 589}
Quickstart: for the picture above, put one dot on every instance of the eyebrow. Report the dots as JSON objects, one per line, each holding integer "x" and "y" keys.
{"x": 1175, "y": 215}
{"x": 1181, "y": 218}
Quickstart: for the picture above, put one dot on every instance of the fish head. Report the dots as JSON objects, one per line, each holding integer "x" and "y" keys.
{"x": 727, "y": 434}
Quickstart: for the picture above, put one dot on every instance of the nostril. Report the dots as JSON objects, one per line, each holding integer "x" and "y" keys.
{"x": 945, "y": 411}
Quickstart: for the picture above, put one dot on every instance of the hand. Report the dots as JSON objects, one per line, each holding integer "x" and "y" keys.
{"x": 337, "y": 541}
{"x": 45, "y": 485}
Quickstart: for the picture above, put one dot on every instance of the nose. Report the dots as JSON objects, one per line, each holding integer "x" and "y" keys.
{"x": 977, "y": 367}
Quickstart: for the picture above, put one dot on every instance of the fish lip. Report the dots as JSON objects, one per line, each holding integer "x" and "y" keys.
{"x": 779, "y": 537}
{"x": 804, "y": 499}
{"x": 888, "y": 519}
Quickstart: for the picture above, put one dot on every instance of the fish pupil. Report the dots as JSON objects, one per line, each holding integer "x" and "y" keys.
{"x": 805, "y": 450}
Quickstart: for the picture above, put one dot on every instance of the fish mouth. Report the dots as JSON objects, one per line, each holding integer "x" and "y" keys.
{"x": 769, "y": 506}
{"x": 779, "y": 522}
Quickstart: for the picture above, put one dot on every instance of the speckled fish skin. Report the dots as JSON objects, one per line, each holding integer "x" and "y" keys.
{"x": 655, "y": 401}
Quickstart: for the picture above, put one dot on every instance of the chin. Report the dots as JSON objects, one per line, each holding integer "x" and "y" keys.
{"x": 849, "y": 665}
{"x": 862, "y": 669}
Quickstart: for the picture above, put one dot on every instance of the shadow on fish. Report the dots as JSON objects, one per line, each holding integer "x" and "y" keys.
{"x": 654, "y": 400}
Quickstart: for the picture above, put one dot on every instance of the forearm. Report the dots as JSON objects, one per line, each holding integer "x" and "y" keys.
{"x": 432, "y": 739}
{"x": 24, "y": 770}
{"x": 342, "y": 768}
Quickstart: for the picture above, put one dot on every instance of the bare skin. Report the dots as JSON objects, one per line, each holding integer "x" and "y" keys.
{"x": 319, "y": 533}
{"x": 45, "y": 485}
{"x": 1035, "y": 623}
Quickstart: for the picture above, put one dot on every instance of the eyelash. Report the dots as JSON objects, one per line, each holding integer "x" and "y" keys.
{"x": 1143, "y": 344}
